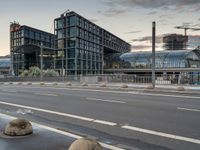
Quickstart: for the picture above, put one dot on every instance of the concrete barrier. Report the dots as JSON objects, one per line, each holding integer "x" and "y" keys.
{"x": 85, "y": 144}
{"x": 18, "y": 127}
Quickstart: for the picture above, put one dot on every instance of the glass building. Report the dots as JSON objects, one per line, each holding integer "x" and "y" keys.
{"x": 25, "y": 44}
{"x": 4, "y": 66}
{"x": 164, "y": 59}
{"x": 82, "y": 45}
{"x": 170, "y": 65}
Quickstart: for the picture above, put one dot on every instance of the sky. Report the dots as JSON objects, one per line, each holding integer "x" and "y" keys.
{"x": 131, "y": 20}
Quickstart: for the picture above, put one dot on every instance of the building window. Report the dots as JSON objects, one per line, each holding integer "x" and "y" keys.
{"x": 60, "y": 44}
{"x": 31, "y": 34}
{"x": 59, "y": 34}
{"x": 72, "y": 42}
{"x": 71, "y": 64}
{"x": 59, "y": 24}
{"x": 72, "y": 31}
{"x": 72, "y": 20}
{"x": 71, "y": 53}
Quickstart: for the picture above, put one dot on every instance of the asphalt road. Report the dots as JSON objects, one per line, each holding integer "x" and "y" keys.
{"x": 131, "y": 120}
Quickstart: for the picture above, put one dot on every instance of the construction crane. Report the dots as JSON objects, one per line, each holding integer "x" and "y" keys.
{"x": 186, "y": 27}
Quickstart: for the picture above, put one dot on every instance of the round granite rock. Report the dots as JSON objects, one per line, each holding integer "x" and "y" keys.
{"x": 103, "y": 85}
{"x": 85, "y": 144}
{"x": 180, "y": 88}
{"x": 124, "y": 86}
{"x": 18, "y": 127}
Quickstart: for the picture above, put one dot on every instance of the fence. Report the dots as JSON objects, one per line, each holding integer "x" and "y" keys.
{"x": 144, "y": 79}
{"x": 117, "y": 78}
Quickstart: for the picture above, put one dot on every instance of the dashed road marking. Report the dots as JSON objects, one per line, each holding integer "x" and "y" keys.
{"x": 188, "y": 109}
{"x": 104, "y": 100}
{"x": 105, "y": 122}
{"x": 46, "y": 94}
{"x": 166, "y": 135}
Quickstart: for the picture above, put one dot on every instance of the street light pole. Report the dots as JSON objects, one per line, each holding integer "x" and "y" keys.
{"x": 41, "y": 61}
{"x": 153, "y": 52}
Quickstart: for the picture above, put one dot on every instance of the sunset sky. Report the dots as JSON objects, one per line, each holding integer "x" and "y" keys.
{"x": 129, "y": 19}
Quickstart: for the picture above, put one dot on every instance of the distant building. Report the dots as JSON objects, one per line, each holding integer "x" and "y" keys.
{"x": 82, "y": 44}
{"x": 25, "y": 45}
{"x": 171, "y": 63}
{"x": 4, "y": 66}
{"x": 175, "y": 42}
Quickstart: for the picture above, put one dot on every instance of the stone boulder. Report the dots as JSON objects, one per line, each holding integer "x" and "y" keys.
{"x": 124, "y": 86}
{"x": 18, "y": 127}
{"x": 103, "y": 85}
{"x": 149, "y": 87}
{"x": 180, "y": 88}
{"x": 84, "y": 84}
{"x": 68, "y": 84}
{"x": 85, "y": 144}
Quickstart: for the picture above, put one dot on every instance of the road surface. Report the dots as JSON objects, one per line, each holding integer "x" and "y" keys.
{"x": 129, "y": 120}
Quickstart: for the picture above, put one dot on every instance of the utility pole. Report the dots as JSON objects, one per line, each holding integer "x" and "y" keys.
{"x": 153, "y": 52}
{"x": 41, "y": 61}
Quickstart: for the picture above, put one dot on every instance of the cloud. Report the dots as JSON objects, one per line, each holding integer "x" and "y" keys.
{"x": 135, "y": 47}
{"x": 133, "y": 32}
{"x": 196, "y": 25}
{"x": 152, "y": 13}
{"x": 167, "y": 16}
{"x": 113, "y": 12}
{"x": 167, "y": 4}
{"x": 159, "y": 39}
{"x": 94, "y": 20}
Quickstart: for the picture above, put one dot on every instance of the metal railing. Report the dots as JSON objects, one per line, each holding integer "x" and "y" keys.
{"x": 112, "y": 78}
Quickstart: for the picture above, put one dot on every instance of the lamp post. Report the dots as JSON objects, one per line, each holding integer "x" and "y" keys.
{"x": 153, "y": 52}
{"x": 41, "y": 61}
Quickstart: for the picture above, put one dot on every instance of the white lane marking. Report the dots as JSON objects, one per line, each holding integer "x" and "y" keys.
{"x": 188, "y": 109}
{"x": 61, "y": 114}
{"x": 166, "y": 135}
{"x": 46, "y": 94}
{"x": 105, "y": 122}
{"x": 104, "y": 100}
{"x": 111, "y": 147}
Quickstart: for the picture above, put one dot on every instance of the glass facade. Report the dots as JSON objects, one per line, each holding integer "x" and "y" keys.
{"x": 164, "y": 59}
{"x": 84, "y": 45}
{"x": 25, "y": 45}
{"x": 4, "y": 66}
{"x": 4, "y": 62}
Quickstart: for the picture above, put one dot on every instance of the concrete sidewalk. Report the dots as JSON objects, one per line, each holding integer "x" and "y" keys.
{"x": 41, "y": 139}
{"x": 116, "y": 86}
